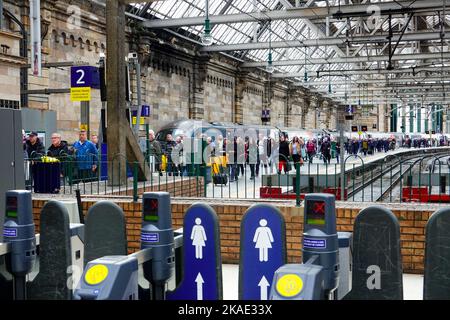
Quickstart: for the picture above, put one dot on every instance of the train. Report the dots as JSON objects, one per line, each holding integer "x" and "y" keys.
{"x": 196, "y": 128}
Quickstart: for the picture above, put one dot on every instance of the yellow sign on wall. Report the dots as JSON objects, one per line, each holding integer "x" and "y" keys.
{"x": 80, "y": 94}
{"x": 84, "y": 127}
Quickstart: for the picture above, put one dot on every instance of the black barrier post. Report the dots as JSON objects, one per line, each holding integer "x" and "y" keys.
{"x": 310, "y": 184}
{"x": 377, "y": 260}
{"x": 442, "y": 182}
{"x": 105, "y": 232}
{"x": 437, "y": 256}
{"x": 55, "y": 256}
{"x": 297, "y": 185}
{"x": 79, "y": 205}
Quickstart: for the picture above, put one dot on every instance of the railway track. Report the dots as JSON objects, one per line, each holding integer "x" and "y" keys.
{"x": 380, "y": 183}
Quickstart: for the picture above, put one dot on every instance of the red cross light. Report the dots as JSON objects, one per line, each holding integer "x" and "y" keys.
{"x": 319, "y": 207}
{"x": 154, "y": 204}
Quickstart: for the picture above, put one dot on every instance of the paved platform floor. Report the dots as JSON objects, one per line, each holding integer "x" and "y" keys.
{"x": 412, "y": 284}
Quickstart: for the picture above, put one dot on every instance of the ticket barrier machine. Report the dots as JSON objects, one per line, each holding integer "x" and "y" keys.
{"x": 318, "y": 277}
{"x": 116, "y": 277}
{"x": 20, "y": 239}
{"x": 19, "y": 252}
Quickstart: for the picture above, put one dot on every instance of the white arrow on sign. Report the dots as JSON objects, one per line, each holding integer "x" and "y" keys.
{"x": 199, "y": 280}
{"x": 263, "y": 285}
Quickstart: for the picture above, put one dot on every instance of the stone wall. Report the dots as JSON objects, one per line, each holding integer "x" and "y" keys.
{"x": 252, "y": 103}
{"x": 219, "y": 97}
{"x": 412, "y": 219}
{"x": 10, "y": 63}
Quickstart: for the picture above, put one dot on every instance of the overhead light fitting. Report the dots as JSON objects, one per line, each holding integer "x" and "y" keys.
{"x": 270, "y": 68}
{"x": 207, "y": 38}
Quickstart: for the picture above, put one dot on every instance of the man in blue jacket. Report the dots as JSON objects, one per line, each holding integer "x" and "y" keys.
{"x": 86, "y": 156}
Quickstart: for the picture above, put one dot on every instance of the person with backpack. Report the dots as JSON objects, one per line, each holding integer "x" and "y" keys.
{"x": 325, "y": 149}
{"x": 365, "y": 146}
{"x": 310, "y": 149}
{"x": 295, "y": 149}
{"x": 283, "y": 154}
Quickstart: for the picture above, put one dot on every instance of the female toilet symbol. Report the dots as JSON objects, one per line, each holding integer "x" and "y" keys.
{"x": 263, "y": 239}
{"x": 198, "y": 237}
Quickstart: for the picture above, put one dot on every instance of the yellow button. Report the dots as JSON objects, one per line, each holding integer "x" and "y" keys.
{"x": 289, "y": 285}
{"x": 96, "y": 274}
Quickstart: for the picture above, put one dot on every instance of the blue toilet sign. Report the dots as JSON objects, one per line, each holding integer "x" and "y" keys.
{"x": 262, "y": 252}
{"x": 202, "y": 265}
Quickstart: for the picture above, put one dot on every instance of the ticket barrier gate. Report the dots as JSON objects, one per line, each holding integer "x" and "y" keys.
{"x": 117, "y": 277}
{"x": 24, "y": 255}
{"x": 318, "y": 277}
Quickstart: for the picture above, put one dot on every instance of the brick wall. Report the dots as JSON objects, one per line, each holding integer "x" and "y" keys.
{"x": 412, "y": 222}
{"x": 185, "y": 187}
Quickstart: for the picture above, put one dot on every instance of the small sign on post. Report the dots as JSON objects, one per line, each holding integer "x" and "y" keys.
{"x": 80, "y": 94}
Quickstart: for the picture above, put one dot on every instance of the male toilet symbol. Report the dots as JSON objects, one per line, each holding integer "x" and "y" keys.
{"x": 198, "y": 237}
{"x": 263, "y": 238}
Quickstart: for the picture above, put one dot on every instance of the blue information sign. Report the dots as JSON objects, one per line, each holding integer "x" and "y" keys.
{"x": 263, "y": 250}
{"x": 145, "y": 111}
{"x": 202, "y": 265}
{"x": 349, "y": 109}
{"x": 84, "y": 76}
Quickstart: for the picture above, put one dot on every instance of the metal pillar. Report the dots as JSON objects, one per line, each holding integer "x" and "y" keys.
{"x": 35, "y": 35}
{"x": 411, "y": 118}
{"x": 137, "y": 68}
{"x": 1, "y": 14}
{"x": 419, "y": 119}
{"x": 342, "y": 150}
{"x": 84, "y": 118}
{"x": 116, "y": 103}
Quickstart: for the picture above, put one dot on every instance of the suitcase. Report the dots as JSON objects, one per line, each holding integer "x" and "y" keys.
{"x": 220, "y": 178}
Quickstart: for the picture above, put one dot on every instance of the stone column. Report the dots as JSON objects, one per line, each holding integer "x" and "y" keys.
{"x": 267, "y": 97}
{"x": 296, "y": 103}
{"x": 200, "y": 70}
{"x": 311, "y": 120}
{"x": 241, "y": 84}
{"x": 305, "y": 110}
{"x": 333, "y": 123}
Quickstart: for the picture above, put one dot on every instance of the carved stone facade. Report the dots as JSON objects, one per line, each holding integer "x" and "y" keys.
{"x": 10, "y": 64}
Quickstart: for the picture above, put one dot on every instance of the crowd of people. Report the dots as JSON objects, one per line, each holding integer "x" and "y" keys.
{"x": 261, "y": 153}
{"x": 83, "y": 154}
{"x": 267, "y": 155}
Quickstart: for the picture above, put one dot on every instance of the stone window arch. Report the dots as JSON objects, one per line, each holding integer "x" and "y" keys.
{"x": 72, "y": 41}
{"x": 55, "y": 36}
{"x": 65, "y": 39}
{"x": 88, "y": 45}
{"x": 80, "y": 41}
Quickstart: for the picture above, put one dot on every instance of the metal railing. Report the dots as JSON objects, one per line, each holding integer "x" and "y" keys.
{"x": 381, "y": 180}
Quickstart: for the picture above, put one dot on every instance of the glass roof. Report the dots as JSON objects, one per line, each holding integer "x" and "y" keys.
{"x": 280, "y": 30}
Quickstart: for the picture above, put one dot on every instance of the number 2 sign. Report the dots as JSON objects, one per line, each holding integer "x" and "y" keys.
{"x": 84, "y": 76}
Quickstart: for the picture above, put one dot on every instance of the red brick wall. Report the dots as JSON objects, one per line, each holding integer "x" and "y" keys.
{"x": 412, "y": 223}
{"x": 186, "y": 187}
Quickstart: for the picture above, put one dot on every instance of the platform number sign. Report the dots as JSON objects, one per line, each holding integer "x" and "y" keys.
{"x": 82, "y": 80}
{"x": 354, "y": 128}
{"x": 364, "y": 128}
